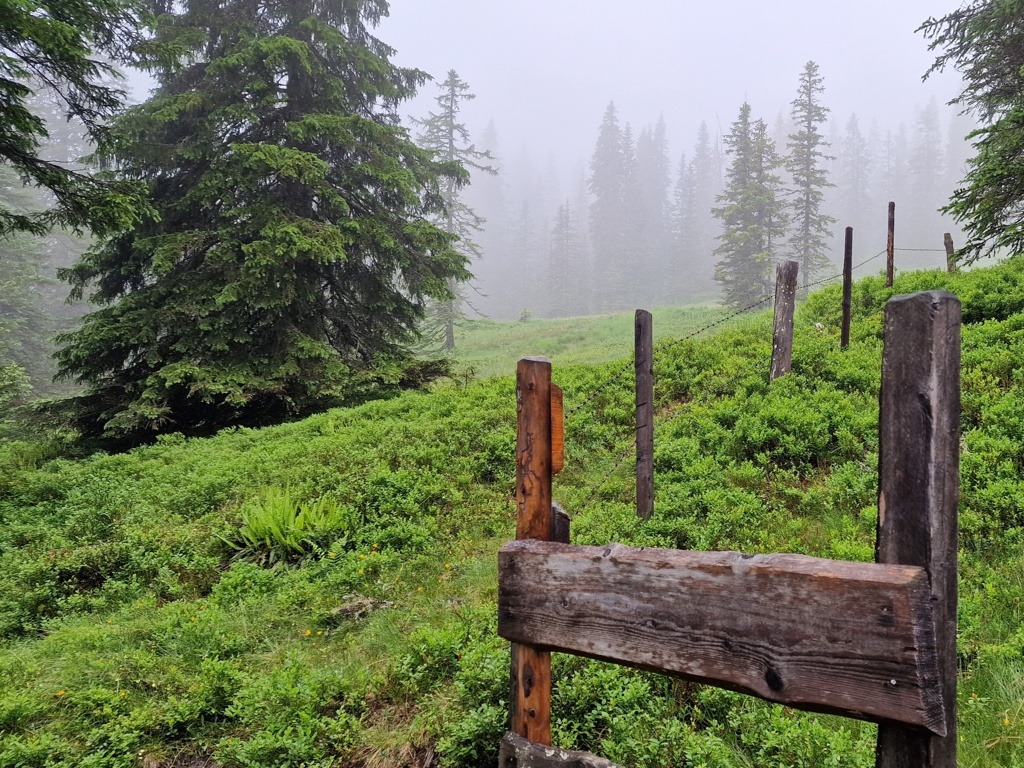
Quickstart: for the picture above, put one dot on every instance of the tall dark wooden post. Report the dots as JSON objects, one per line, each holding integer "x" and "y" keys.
{"x": 785, "y": 304}
{"x": 531, "y": 668}
{"x": 890, "y": 247}
{"x": 919, "y": 480}
{"x": 947, "y": 240}
{"x": 644, "y": 361}
{"x": 844, "y": 336}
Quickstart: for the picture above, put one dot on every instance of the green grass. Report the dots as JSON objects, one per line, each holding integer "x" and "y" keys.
{"x": 143, "y": 619}
{"x": 486, "y": 348}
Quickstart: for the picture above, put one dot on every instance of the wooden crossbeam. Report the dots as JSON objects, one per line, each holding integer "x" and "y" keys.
{"x": 851, "y": 638}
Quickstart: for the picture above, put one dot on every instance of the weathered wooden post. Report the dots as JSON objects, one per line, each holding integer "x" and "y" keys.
{"x": 785, "y": 304}
{"x": 644, "y": 363}
{"x": 844, "y": 336}
{"x": 531, "y": 668}
{"x": 890, "y": 246}
{"x": 918, "y": 468}
{"x": 947, "y": 240}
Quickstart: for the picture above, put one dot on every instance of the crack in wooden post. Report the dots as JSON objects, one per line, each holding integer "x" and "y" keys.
{"x": 918, "y": 490}
{"x": 785, "y": 305}
{"x": 531, "y": 667}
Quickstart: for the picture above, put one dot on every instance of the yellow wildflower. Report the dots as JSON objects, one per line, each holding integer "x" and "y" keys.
{"x": 309, "y": 632}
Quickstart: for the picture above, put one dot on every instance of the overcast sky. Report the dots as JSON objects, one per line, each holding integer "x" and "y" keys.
{"x": 544, "y": 70}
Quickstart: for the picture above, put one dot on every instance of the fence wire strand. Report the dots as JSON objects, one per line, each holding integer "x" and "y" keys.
{"x": 604, "y": 481}
{"x": 600, "y": 388}
{"x": 664, "y": 345}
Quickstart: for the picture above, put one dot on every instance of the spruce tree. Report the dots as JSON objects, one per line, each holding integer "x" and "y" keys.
{"x": 984, "y": 40}
{"x": 682, "y": 224}
{"x": 652, "y": 214}
{"x": 752, "y": 213}
{"x": 24, "y": 329}
{"x": 805, "y": 163}
{"x": 855, "y": 186}
{"x": 926, "y": 166}
{"x": 609, "y": 182}
{"x": 65, "y": 47}
{"x": 447, "y": 137}
{"x": 293, "y": 254}
{"x": 566, "y": 293}
{"x": 698, "y": 184}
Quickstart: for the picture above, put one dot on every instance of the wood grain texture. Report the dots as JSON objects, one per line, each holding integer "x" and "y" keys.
{"x": 850, "y": 638}
{"x": 533, "y": 448}
{"x": 557, "y": 429}
{"x": 918, "y": 468}
{"x": 785, "y": 304}
{"x": 530, "y": 669}
{"x": 644, "y": 367}
{"x": 517, "y": 752}
{"x": 531, "y": 692}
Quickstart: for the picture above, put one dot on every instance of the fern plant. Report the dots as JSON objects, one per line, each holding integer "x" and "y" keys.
{"x": 279, "y": 528}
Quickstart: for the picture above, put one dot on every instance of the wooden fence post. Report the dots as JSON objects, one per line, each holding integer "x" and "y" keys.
{"x": 644, "y": 362}
{"x": 947, "y": 240}
{"x": 890, "y": 249}
{"x": 785, "y": 303}
{"x": 531, "y": 668}
{"x": 918, "y": 468}
{"x": 844, "y": 336}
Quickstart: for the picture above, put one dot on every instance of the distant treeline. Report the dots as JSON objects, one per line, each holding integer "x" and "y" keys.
{"x": 553, "y": 247}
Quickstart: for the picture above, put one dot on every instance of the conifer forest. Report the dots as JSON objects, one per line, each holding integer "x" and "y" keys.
{"x": 265, "y": 282}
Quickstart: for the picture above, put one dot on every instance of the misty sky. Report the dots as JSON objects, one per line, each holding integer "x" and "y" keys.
{"x": 544, "y": 70}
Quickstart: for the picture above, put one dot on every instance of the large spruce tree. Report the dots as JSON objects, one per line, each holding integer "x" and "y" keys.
{"x": 752, "y": 212}
{"x": 293, "y": 254}
{"x": 805, "y": 162}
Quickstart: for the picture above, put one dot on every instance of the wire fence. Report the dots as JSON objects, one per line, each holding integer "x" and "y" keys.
{"x": 670, "y": 343}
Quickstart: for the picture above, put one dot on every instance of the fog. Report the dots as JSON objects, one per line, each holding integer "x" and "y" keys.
{"x": 544, "y": 71}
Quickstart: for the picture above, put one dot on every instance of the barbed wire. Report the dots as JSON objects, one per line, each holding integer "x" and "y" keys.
{"x": 840, "y": 275}
{"x": 604, "y": 481}
{"x": 672, "y": 342}
{"x": 668, "y": 344}
{"x": 661, "y": 345}
{"x": 664, "y": 345}
{"x": 600, "y": 388}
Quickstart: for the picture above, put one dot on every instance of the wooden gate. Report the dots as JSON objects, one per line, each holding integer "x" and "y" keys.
{"x": 875, "y": 641}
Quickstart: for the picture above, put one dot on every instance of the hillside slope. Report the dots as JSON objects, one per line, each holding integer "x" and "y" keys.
{"x": 163, "y": 608}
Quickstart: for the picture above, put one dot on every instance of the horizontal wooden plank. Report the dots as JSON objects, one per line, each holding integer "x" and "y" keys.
{"x": 517, "y": 752}
{"x": 851, "y": 638}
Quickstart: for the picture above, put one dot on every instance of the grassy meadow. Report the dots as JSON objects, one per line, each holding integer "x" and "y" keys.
{"x": 322, "y": 593}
